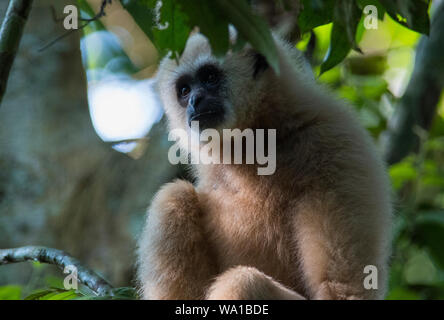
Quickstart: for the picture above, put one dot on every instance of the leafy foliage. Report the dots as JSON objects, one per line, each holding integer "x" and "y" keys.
{"x": 346, "y": 15}
{"x": 315, "y": 14}
{"x": 10, "y": 292}
{"x": 252, "y": 28}
{"x": 52, "y": 294}
{"x": 429, "y": 233}
{"x": 410, "y": 13}
{"x": 417, "y": 270}
{"x": 211, "y": 22}
{"x": 124, "y": 293}
{"x": 169, "y": 22}
{"x": 174, "y": 20}
{"x": 172, "y": 29}
{"x": 141, "y": 11}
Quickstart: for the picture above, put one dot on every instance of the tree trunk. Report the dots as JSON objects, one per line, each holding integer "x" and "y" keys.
{"x": 60, "y": 185}
{"x": 417, "y": 107}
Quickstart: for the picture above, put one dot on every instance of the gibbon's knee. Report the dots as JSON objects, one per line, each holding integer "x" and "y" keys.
{"x": 177, "y": 198}
{"x": 248, "y": 283}
{"x": 173, "y": 255}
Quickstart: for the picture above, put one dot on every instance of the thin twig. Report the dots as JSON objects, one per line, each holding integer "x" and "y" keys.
{"x": 101, "y": 12}
{"x": 10, "y": 35}
{"x": 99, "y": 15}
{"x": 60, "y": 259}
{"x": 62, "y": 36}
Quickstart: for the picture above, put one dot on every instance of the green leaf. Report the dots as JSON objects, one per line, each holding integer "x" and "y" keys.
{"x": 142, "y": 13}
{"x": 125, "y": 292}
{"x": 211, "y": 23}
{"x": 403, "y": 172}
{"x": 315, "y": 13}
{"x": 400, "y": 293}
{"x": 172, "y": 29}
{"x": 430, "y": 233}
{"x": 54, "y": 282}
{"x": 66, "y": 295}
{"x": 410, "y": 13}
{"x": 348, "y": 15}
{"x": 10, "y": 292}
{"x": 419, "y": 268}
{"x": 343, "y": 35}
{"x": 338, "y": 50}
{"x": 370, "y": 65}
{"x": 251, "y": 27}
{"x": 38, "y": 294}
{"x": 434, "y": 217}
{"x": 53, "y": 294}
{"x": 94, "y": 298}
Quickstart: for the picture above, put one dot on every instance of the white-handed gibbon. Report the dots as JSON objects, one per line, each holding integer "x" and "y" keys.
{"x": 308, "y": 231}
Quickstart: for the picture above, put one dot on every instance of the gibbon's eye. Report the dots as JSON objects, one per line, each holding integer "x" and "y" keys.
{"x": 184, "y": 90}
{"x": 183, "y": 87}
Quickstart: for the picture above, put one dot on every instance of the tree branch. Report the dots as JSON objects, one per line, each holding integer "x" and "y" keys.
{"x": 10, "y": 35}
{"x": 87, "y": 21}
{"x": 417, "y": 107}
{"x": 61, "y": 260}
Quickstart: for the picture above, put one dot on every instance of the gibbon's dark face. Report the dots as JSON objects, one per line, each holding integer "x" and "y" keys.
{"x": 201, "y": 94}
{"x": 218, "y": 93}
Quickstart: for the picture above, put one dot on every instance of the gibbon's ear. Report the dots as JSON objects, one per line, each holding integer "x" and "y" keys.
{"x": 260, "y": 64}
{"x": 197, "y": 45}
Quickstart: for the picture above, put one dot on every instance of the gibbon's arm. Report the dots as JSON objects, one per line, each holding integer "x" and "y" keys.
{"x": 344, "y": 228}
{"x": 335, "y": 247}
{"x": 174, "y": 260}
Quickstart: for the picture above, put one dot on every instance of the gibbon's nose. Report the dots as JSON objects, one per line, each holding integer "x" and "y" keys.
{"x": 196, "y": 99}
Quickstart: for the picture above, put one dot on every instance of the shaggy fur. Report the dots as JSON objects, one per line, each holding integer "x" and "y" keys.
{"x": 307, "y": 231}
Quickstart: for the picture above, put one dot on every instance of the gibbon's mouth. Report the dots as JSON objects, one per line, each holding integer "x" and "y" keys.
{"x": 207, "y": 119}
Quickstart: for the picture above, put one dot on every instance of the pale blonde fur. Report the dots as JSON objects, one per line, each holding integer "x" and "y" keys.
{"x": 307, "y": 231}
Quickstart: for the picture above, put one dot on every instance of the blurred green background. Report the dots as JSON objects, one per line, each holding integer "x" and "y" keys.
{"x": 121, "y": 51}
